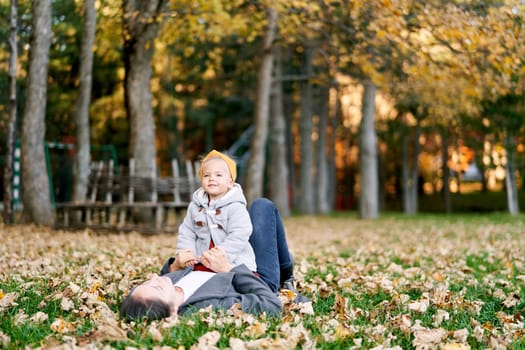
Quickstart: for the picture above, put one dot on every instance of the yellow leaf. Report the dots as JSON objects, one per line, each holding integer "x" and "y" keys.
{"x": 342, "y": 332}
{"x": 61, "y": 326}
{"x": 256, "y": 330}
{"x": 438, "y": 276}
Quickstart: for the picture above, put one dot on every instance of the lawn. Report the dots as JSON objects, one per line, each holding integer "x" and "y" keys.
{"x": 398, "y": 282}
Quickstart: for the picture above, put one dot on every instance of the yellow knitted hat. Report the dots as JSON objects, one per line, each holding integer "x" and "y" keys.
{"x": 232, "y": 166}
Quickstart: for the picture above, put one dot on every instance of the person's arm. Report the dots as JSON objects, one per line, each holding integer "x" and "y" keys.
{"x": 187, "y": 238}
{"x": 186, "y": 243}
{"x": 253, "y": 294}
{"x": 239, "y": 230}
{"x": 171, "y": 265}
{"x": 166, "y": 268}
{"x": 182, "y": 260}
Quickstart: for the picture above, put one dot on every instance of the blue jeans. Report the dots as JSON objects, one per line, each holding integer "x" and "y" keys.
{"x": 268, "y": 240}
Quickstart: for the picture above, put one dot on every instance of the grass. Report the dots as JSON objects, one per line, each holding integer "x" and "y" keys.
{"x": 407, "y": 281}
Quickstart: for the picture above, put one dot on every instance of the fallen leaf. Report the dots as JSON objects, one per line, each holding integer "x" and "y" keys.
{"x": 255, "y": 330}
{"x": 439, "y": 317}
{"x": 340, "y": 306}
{"x": 306, "y": 308}
{"x": 20, "y": 318}
{"x": 66, "y": 304}
{"x": 460, "y": 335}
{"x": 511, "y": 300}
{"x": 402, "y": 322}
{"x": 7, "y": 301}
{"x": 61, "y": 326}
{"x": 39, "y": 317}
{"x": 418, "y": 305}
{"x": 155, "y": 333}
{"x": 425, "y": 338}
{"x": 4, "y": 339}
{"x": 207, "y": 341}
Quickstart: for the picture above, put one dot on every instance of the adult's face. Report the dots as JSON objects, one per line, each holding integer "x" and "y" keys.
{"x": 157, "y": 288}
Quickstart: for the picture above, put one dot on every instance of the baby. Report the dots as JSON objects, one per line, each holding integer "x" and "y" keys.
{"x": 216, "y": 217}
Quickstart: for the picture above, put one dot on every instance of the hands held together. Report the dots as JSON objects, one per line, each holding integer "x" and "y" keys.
{"x": 215, "y": 259}
{"x": 185, "y": 258}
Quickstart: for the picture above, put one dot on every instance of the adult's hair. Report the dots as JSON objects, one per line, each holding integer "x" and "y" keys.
{"x": 137, "y": 308}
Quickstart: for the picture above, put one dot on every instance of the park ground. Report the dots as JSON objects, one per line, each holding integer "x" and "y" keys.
{"x": 425, "y": 282}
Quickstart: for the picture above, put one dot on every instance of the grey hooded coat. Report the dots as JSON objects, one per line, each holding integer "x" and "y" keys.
{"x": 226, "y": 221}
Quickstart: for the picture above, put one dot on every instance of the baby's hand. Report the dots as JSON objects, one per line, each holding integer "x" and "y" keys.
{"x": 216, "y": 260}
{"x": 186, "y": 258}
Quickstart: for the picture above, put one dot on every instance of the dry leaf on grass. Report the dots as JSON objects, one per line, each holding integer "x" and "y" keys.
{"x": 39, "y": 317}
{"x": 454, "y": 346}
{"x": 87, "y": 273}
{"x": 4, "y": 339}
{"x": 429, "y": 338}
{"x": 207, "y": 341}
{"x": 7, "y": 300}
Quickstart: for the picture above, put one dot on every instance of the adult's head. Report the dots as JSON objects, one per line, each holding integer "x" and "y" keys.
{"x": 153, "y": 300}
{"x": 230, "y": 163}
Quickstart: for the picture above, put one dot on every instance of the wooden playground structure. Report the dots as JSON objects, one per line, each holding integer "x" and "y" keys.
{"x": 122, "y": 200}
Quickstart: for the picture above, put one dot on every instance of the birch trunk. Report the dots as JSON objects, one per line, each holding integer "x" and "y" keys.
{"x": 323, "y": 204}
{"x": 11, "y": 126}
{"x": 36, "y": 194}
{"x": 410, "y": 173}
{"x": 81, "y": 167}
{"x": 368, "y": 170}
{"x": 306, "y": 201}
{"x": 278, "y": 166}
{"x": 256, "y": 163}
{"x": 510, "y": 178}
{"x": 415, "y": 171}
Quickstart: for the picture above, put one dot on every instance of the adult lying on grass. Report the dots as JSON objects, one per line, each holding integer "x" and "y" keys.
{"x": 181, "y": 289}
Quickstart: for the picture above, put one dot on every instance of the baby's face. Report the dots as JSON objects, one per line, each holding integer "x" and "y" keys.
{"x": 216, "y": 178}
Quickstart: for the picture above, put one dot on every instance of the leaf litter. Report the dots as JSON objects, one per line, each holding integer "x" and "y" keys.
{"x": 382, "y": 281}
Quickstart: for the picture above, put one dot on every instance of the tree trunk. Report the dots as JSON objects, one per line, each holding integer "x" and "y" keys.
{"x": 382, "y": 176}
{"x": 141, "y": 22}
{"x": 288, "y": 106}
{"x": 414, "y": 173}
{"x": 36, "y": 194}
{"x": 11, "y": 126}
{"x": 368, "y": 171}
{"x": 278, "y": 174}
{"x": 405, "y": 169}
{"x": 322, "y": 186}
{"x": 81, "y": 167}
{"x": 510, "y": 178}
{"x": 306, "y": 202}
{"x": 256, "y": 163}
{"x": 410, "y": 173}
{"x": 335, "y": 113}
{"x": 446, "y": 173}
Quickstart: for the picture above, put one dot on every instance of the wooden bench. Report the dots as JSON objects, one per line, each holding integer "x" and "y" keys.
{"x": 129, "y": 202}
